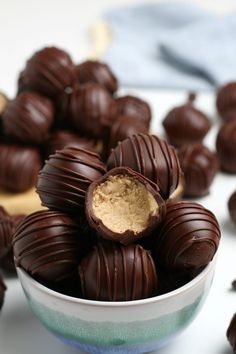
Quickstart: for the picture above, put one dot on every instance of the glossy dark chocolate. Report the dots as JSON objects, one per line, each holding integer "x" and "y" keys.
{"x": 28, "y": 118}
{"x": 112, "y": 272}
{"x": 49, "y": 71}
{"x": 188, "y": 238}
{"x": 134, "y": 107}
{"x": 226, "y": 101}
{"x": 95, "y": 71}
{"x": 231, "y": 333}
{"x": 226, "y": 146}
{"x": 2, "y": 291}
{"x": 66, "y": 176}
{"x": 151, "y": 157}
{"x": 232, "y": 206}
{"x": 21, "y": 167}
{"x": 199, "y": 165}
{"x": 186, "y": 125}
{"x": 117, "y": 192}
{"x": 45, "y": 245}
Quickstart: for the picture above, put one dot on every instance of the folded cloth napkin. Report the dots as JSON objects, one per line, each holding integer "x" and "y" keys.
{"x": 172, "y": 45}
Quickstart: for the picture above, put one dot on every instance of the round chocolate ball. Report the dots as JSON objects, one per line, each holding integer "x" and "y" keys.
{"x": 231, "y": 333}
{"x": 226, "y": 101}
{"x": 112, "y": 272}
{"x": 153, "y": 158}
{"x": 226, "y": 146}
{"x": 124, "y": 127}
{"x": 66, "y": 176}
{"x": 28, "y": 118}
{"x": 21, "y": 167}
{"x": 100, "y": 73}
{"x": 124, "y": 206}
{"x": 2, "y": 291}
{"x": 45, "y": 245}
{"x": 134, "y": 107}
{"x": 232, "y": 206}
{"x": 186, "y": 125}
{"x": 49, "y": 71}
{"x": 199, "y": 165}
{"x": 188, "y": 238}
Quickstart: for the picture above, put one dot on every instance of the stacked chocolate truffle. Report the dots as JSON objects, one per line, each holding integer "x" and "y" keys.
{"x": 110, "y": 232}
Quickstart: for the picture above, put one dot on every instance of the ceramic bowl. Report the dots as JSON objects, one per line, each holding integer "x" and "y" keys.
{"x": 132, "y": 327}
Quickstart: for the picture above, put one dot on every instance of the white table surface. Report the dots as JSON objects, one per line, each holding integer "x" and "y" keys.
{"x": 27, "y": 25}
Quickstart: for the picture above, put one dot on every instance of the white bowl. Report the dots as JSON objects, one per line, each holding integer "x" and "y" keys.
{"x": 104, "y": 327}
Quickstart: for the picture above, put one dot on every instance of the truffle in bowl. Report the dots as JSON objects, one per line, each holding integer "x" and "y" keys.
{"x": 138, "y": 326}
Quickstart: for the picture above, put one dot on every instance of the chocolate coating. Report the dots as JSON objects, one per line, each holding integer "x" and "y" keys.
{"x": 231, "y": 333}
{"x": 199, "y": 165}
{"x": 226, "y": 101}
{"x": 28, "y": 118}
{"x": 92, "y": 110}
{"x": 186, "y": 125}
{"x": 134, "y": 107}
{"x": 21, "y": 167}
{"x": 66, "y": 176}
{"x": 49, "y": 71}
{"x": 189, "y": 236}
{"x": 95, "y": 71}
{"x": 112, "y": 272}
{"x": 226, "y": 146}
{"x": 124, "y": 127}
{"x": 60, "y": 139}
{"x": 2, "y": 291}
{"x": 152, "y": 157}
{"x": 232, "y": 206}
{"x": 128, "y": 235}
{"x": 45, "y": 245}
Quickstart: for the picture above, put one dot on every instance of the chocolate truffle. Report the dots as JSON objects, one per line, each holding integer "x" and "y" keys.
{"x": 92, "y": 110}
{"x": 28, "y": 118}
{"x": 199, "y": 165}
{"x": 3, "y": 102}
{"x": 153, "y": 158}
{"x": 226, "y": 101}
{"x": 226, "y": 146}
{"x": 60, "y": 139}
{"x": 188, "y": 238}
{"x": 135, "y": 107}
{"x": 45, "y": 245}
{"x": 49, "y": 71}
{"x": 186, "y": 125}
{"x": 21, "y": 167}
{"x": 124, "y": 127}
{"x": 123, "y": 206}
{"x": 2, "y": 291}
{"x": 66, "y": 176}
{"x": 95, "y": 71}
{"x": 112, "y": 272}
{"x": 232, "y": 206}
{"x": 231, "y": 333}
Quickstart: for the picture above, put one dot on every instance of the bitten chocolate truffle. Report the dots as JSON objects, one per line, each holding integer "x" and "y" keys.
{"x": 66, "y": 176}
{"x": 112, "y": 272}
{"x": 134, "y": 107}
{"x": 226, "y": 146}
{"x": 124, "y": 127}
{"x": 28, "y": 118}
{"x": 123, "y": 206}
{"x": 188, "y": 238}
{"x": 153, "y": 158}
{"x": 226, "y": 101}
{"x": 231, "y": 333}
{"x": 92, "y": 110}
{"x": 232, "y": 206}
{"x": 95, "y": 71}
{"x": 49, "y": 71}
{"x": 2, "y": 291}
{"x": 3, "y": 102}
{"x": 186, "y": 125}
{"x": 21, "y": 167}
{"x": 199, "y": 165}
{"x": 45, "y": 245}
